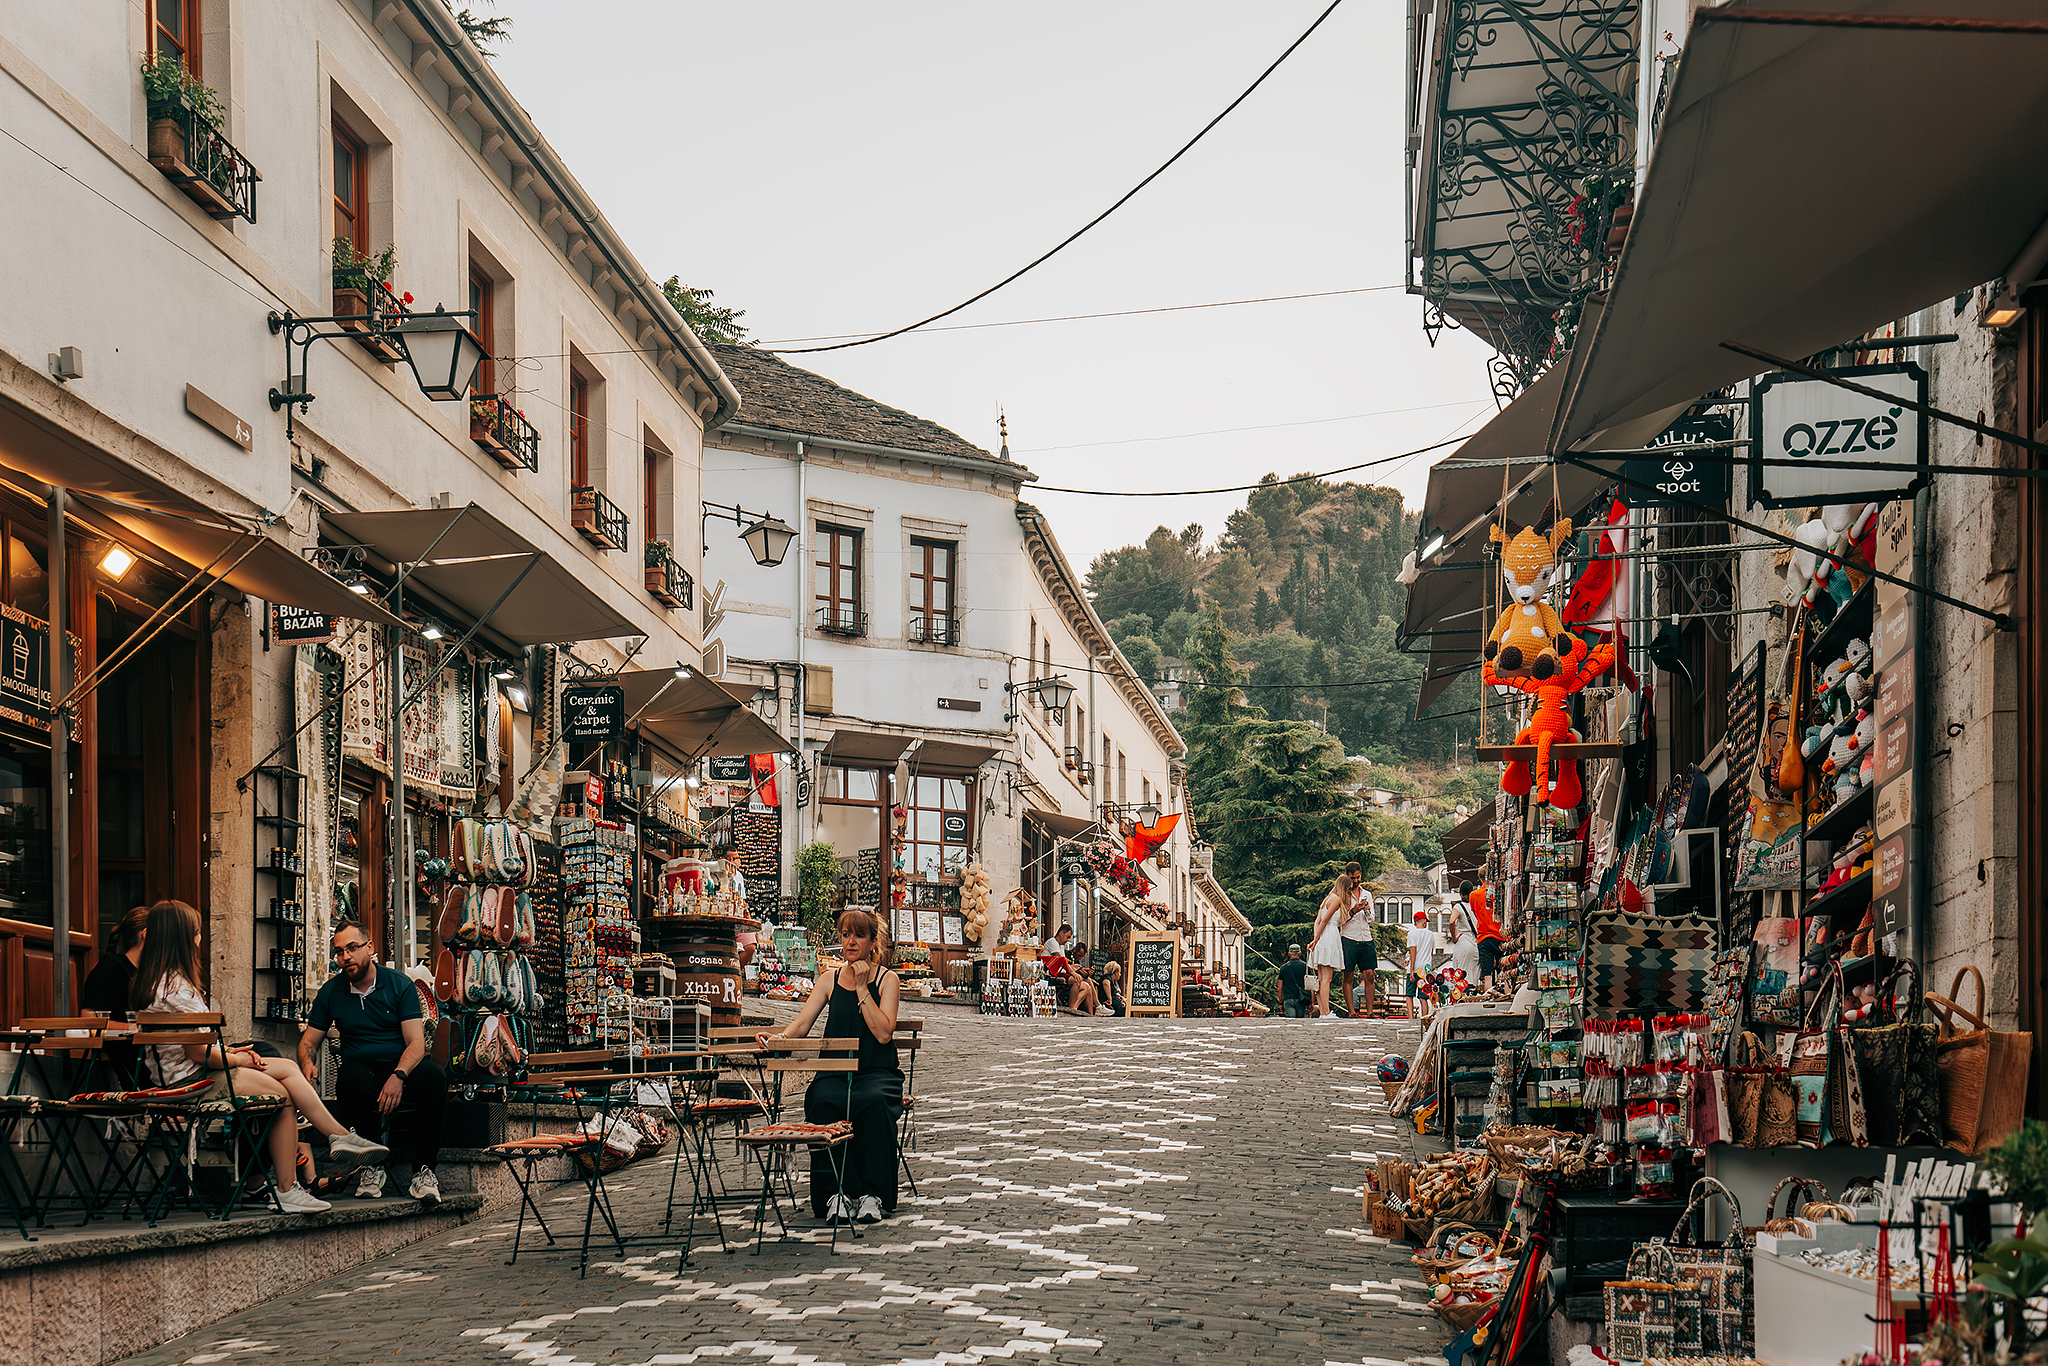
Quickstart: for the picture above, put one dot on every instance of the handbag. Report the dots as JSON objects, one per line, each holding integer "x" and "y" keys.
{"x": 1983, "y": 1071}
{"x": 1848, "y": 1119}
{"x": 1638, "y": 964}
{"x": 1745, "y": 1083}
{"x": 1727, "y": 1296}
{"x": 1900, "y": 1073}
{"x": 1809, "y": 1069}
{"x": 1642, "y": 1319}
{"x": 1777, "y": 1124}
{"x": 1774, "y": 985}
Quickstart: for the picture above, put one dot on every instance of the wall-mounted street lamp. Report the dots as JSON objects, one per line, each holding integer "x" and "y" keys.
{"x": 767, "y": 536}
{"x": 1053, "y": 692}
{"x": 443, "y": 353}
{"x": 1148, "y": 814}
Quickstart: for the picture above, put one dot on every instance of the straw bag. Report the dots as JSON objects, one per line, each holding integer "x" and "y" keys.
{"x": 1983, "y": 1072}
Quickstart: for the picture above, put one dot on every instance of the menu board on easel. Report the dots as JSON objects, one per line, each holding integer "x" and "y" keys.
{"x": 1154, "y": 975}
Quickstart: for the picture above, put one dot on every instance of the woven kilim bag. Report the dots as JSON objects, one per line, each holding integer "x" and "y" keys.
{"x": 1638, "y": 963}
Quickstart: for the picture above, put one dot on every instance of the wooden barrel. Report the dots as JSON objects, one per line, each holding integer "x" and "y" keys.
{"x": 707, "y": 969}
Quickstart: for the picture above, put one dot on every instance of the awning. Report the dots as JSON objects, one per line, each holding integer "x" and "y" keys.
{"x": 161, "y": 515}
{"x": 1058, "y": 823}
{"x": 697, "y": 717}
{"x": 1465, "y": 843}
{"x": 473, "y": 564}
{"x": 947, "y": 757}
{"x": 1785, "y": 211}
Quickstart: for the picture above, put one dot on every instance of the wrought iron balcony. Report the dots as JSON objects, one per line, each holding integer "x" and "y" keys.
{"x": 598, "y": 518}
{"x": 369, "y": 309}
{"x": 668, "y": 582}
{"x": 934, "y": 628}
{"x": 842, "y": 621}
{"x": 1076, "y": 763}
{"x": 192, "y": 153}
{"x": 503, "y": 430}
{"x": 1521, "y": 144}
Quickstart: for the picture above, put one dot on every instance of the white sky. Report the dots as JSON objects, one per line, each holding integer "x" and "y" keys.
{"x": 839, "y": 168}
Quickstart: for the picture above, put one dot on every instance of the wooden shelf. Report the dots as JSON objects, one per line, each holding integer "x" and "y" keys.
{"x": 1842, "y": 819}
{"x": 1852, "y": 895}
{"x": 1586, "y": 749}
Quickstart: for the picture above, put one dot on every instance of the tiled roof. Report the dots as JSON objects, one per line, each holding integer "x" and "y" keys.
{"x": 1405, "y": 881}
{"x": 779, "y": 396}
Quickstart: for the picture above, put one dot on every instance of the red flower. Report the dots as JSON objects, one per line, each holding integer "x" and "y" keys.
{"x": 407, "y": 298}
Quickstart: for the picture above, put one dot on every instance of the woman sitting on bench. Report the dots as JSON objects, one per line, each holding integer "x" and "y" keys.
{"x": 858, "y": 1001}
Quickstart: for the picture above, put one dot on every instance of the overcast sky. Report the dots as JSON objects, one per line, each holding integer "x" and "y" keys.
{"x": 835, "y": 168}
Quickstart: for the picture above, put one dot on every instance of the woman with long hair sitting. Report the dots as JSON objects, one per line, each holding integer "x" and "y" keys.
{"x": 858, "y": 1001}
{"x": 167, "y": 980}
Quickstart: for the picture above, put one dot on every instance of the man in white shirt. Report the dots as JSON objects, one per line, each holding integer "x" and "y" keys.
{"x": 1422, "y": 947}
{"x": 1361, "y": 953}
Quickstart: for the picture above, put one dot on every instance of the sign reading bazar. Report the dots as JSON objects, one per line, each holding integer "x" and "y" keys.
{"x": 1667, "y": 475}
{"x": 1793, "y": 418}
{"x": 299, "y": 624}
{"x": 593, "y": 715}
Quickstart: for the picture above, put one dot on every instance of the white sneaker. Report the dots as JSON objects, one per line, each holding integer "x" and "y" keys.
{"x": 426, "y": 1187}
{"x": 356, "y": 1146}
{"x": 371, "y": 1186}
{"x": 870, "y": 1210}
{"x": 838, "y": 1211}
{"x": 299, "y": 1200}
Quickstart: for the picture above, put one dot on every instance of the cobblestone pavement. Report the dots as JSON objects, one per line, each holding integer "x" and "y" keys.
{"x": 1092, "y": 1190}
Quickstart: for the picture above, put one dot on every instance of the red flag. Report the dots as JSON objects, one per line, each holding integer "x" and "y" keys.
{"x": 1143, "y": 839}
{"x": 762, "y": 766}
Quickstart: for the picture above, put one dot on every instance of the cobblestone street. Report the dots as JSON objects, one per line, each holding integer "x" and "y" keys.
{"x": 1091, "y": 1191}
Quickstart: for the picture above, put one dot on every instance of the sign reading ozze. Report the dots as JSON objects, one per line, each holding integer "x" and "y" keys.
{"x": 1794, "y": 418}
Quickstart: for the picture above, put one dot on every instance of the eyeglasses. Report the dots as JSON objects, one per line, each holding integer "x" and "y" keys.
{"x": 351, "y": 948}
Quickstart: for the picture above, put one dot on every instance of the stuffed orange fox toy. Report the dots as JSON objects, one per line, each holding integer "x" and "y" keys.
{"x": 1528, "y": 640}
{"x": 1551, "y": 724}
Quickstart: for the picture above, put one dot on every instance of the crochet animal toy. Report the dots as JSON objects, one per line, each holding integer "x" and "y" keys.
{"x": 1527, "y": 640}
{"x": 1551, "y": 723}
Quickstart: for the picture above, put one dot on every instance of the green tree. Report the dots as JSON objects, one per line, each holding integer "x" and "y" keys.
{"x": 1155, "y": 579}
{"x": 1231, "y": 586}
{"x": 1143, "y": 652}
{"x": 1265, "y": 612}
{"x": 1173, "y": 633}
{"x": 1426, "y": 846}
{"x": 716, "y": 326}
{"x": 1285, "y": 823}
{"x": 483, "y": 32}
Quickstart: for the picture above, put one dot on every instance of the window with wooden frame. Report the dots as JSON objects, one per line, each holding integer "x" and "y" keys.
{"x": 483, "y": 298}
{"x": 940, "y": 826}
{"x": 837, "y": 580}
{"x": 351, "y": 190}
{"x": 579, "y": 431}
{"x": 1031, "y": 659}
{"x": 931, "y": 592}
{"x": 174, "y": 31}
{"x": 650, "y": 485}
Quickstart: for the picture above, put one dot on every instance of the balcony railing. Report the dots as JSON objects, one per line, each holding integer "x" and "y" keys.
{"x": 935, "y": 628}
{"x": 503, "y": 430}
{"x": 192, "y": 154}
{"x": 598, "y": 518}
{"x": 842, "y": 621}
{"x": 369, "y": 309}
{"x": 668, "y": 582}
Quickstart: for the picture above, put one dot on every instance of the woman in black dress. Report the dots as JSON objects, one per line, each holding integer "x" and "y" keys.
{"x": 858, "y": 1001}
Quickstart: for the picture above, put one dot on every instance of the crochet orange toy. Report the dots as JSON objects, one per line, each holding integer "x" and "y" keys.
{"x": 1551, "y": 724}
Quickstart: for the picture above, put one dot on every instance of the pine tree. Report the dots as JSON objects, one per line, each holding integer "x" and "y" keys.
{"x": 1265, "y": 612}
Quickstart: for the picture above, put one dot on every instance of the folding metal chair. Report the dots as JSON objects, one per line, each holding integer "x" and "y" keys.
{"x": 239, "y": 1117}
{"x": 76, "y": 1120}
{"x": 908, "y": 1037}
{"x": 781, "y": 1137}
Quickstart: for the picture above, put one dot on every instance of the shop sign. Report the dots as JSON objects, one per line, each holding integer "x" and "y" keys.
{"x": 1073, "y": 867}
{"x": 1896, "y": 658}
{"x": 1666, "y": 476}
{"x": 803, "y": 784}
{"x": 1792, "y": 417}
{"x": 730, "y": 768}
{"x": 288, "y": 624}
{"x": 593, "y": 793}
{"x": 593, "y": 715}
{"x": 24, "y": 668}
{"x": 953, "y": 827}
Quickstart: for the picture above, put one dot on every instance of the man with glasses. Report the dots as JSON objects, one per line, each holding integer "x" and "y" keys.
{"x": 384, "y": 1062}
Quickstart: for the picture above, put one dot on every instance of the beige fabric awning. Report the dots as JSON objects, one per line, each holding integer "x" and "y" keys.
{"x": 1462, "y": 499}
{"x": 1465, "y": 843}
{"x": 934, "y": 756}
{"x": 697, "y": 717}
{"x": 271, "y": 571}
{"x": 474, "y": 562}
{"x": 1059, "y": 823}
{"x": 1753, "y": 227}
{"x": 39, "y": 447}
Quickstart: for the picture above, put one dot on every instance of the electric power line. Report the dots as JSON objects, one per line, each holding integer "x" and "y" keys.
{"x": 1077, "y": 233}
{"x": 1248, "y": 488}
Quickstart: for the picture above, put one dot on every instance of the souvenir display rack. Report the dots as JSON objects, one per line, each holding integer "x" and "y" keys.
{"x": 599, "y": 933}
{"x": 281, "y": 862}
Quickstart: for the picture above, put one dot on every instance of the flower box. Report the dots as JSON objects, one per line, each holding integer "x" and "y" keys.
{"x": 193, "y": 155}
{"x": 504, "y": 433}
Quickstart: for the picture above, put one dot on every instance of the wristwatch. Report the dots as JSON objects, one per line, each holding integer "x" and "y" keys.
{"x": 401, "y": 1074}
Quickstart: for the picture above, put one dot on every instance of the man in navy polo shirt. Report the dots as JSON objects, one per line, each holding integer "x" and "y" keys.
{"x": 383, "y": 1059}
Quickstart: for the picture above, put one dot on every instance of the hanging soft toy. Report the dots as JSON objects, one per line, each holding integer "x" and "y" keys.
{"x": 1527, "y": 639}
{"x": 1551, "y": 724}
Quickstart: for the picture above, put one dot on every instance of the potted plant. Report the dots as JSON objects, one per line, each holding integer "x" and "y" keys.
{"x": 484, "y": 426}
{"x": 173, "y": 94}
{"x": 362, "y": 290}
{"x": 655, "y": 574}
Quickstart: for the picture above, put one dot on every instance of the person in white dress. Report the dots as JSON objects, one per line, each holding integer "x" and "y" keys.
{"x": 1326, "y": 954}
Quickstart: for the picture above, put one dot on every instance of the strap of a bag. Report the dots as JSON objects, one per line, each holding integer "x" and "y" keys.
{"x": 1702, "y": 1188}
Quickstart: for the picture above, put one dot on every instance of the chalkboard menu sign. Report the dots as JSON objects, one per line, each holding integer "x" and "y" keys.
{"x": 1154, "y": 974}
{"x": 1745, "y": 732}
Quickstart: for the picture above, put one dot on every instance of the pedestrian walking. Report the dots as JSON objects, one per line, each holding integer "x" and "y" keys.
{"x": 858, "y": 1001}
{"x": 1465, "y": 942}
{"x": 1361, "y": 954}
{"x": 1422, "y": 947}
{"x": 1294, "y": 984}
{"x": 1326, "y": 954}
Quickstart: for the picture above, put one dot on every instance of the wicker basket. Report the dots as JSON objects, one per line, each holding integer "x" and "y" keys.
{"x": 1506, "y": 1146}
{"x": 1459, "y": 1317}
{"x": 1391, "y": 1089}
